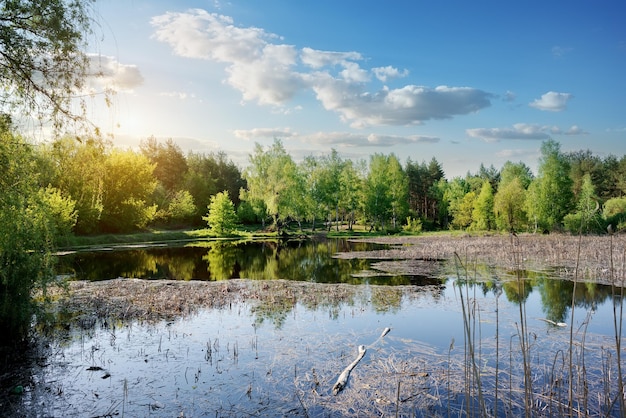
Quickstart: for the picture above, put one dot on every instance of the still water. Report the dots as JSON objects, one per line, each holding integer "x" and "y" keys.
{"x": 256, "y": 358}
{"x": 266, "y": 260}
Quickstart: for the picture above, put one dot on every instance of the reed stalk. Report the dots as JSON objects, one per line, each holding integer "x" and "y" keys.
{"x": 617, "y": 325}
{"x": 470, "y": 352}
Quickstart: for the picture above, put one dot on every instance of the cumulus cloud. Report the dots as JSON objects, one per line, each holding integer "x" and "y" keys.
{"x": 271, "y": 73}
{"x": 249, "y": 134}
{"x": 552, "y": 101}
{"x": 522, "y": 131}
{"x": 385, "y": 73}
{"x": 349, "y": 139}
{"x": 259, "y": 69}
{"x": 408, "y": 105}
{"x": 109, "y": 74}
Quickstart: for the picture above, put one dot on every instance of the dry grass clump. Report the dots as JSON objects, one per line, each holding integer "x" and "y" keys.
{"x": 151, "y": 301}
{"x": 536, "y": 252}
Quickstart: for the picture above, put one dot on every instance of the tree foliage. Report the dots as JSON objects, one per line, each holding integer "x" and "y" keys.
{"x": 170, "y": 165}
{"x": 550, "y": 194}
{"x": 424, "y": 196}
{"x": 509, "y": 203}
{"x": 587, "y": 217}
{"x": 222, "y": 218}
{"x": 26, "y": 238}
{"x": 128, "y": 184}
{"x": 77, "y": 170}
{"x": 271, "y": 177}
{"x": 483, "y": 218}
{"x": 208, "y": 174}
{"x": 42, "y": 63}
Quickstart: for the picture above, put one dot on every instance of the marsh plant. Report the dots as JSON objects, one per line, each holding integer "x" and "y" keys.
{"x": 539, "y": 378}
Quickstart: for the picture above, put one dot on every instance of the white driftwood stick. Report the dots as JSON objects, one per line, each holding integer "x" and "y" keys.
{"x": 343, "y": 377}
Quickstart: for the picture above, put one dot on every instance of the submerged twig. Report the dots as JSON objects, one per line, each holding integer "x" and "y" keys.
{"x": 343, "y": 377}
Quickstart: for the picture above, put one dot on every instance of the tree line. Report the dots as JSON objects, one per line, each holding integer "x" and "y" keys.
{"x": 576, "y": 192}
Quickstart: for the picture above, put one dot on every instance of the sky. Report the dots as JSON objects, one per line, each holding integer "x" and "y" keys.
{"x": 463, "y": 82}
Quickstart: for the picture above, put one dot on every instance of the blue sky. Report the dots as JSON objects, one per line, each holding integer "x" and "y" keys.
{"x": 464, "y": 82}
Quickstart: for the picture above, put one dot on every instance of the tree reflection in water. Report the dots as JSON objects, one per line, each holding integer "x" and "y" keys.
{"x": 315, "y": 261}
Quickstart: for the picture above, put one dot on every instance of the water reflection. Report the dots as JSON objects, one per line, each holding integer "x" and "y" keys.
{"x": 267, "y": 260}
{"x": 314, "y": 261}
{"x": 236, "y": 356}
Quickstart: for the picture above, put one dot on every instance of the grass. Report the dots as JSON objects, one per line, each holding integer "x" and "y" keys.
{"x": 159, "y": 236}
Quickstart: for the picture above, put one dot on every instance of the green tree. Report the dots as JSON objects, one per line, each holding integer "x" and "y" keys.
{"x": 170, "y": 165}
{"x": 386, "y": 191}
{"x": 511, "y": 171}
{"x": 424, "y": 196}
{"x": 222, "y": 218}
{"x": 508, "y": 205}
{"x": 483, "y": 215}
{"x": 584, "y": 163}
{"x": 270, "y": 177}
{"x": 208, "y": 174}
{"x": 398, "y": 190}
{"x": 61, "y": 211}
{"x": 614, "y": 212}
{"x": 350, "y": 190}
{"x": 128, "y": 184}
{"x": 550, "y": 194}
{"x": 587, "y": 216}
{"x": 25, "y": 236}
{"x": 463, "y": 210}
{"x": 453, "y": 194}
{"x": 315, "y": 199}
{"x": 182, "y": 206}
{"x": 328, "y": 184}
{"x": 42, "y": 63}
{"x": 77, "y": 170}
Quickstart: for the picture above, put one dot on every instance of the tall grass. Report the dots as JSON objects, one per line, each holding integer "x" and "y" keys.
{"x": 560, "y": 384}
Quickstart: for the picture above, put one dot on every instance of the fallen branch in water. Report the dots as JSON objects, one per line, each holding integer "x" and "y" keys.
{"x": 342, "y": 380}
{"x": 556, "y": 324}
{"x": 343, "y": 377}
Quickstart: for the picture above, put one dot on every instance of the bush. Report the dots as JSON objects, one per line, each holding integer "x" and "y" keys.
{"x": 413, "y": 226}
{"x": 575, "y": 224}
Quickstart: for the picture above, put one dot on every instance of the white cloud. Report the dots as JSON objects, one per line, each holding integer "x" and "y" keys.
{"x": 575, "y": 130}
{"x": 317, "y": 59}
{"x": 248, "y": 134}
{"x": 348, "y": 139}
{"x": 353, "y": 73}
{"x": 268, "y": 73}
{"x": 409, "y": 105}
{"x": 108, "y": 74}
{"x": 259, "y": 69}
{"x": 552, "y": 101}
{"x": 385, "y": 73}
{"x": 522, "y": 131}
